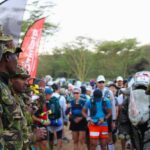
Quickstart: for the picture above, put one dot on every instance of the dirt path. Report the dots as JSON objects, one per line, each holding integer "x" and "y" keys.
{"x": 69, "y": 145}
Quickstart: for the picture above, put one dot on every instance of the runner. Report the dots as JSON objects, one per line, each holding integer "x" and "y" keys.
{"x": 78, "y": 123}
{"x": 97, "y": 119}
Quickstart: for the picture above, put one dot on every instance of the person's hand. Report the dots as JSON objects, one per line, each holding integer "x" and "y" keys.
{"x": 77, "y": 119}
{"x": 101, "y": 121}
{"x": 39, "y": 133}
{"x": 90, "y": 122}
{"x": 45, "y": 122}
{"x": 68, "y": 105}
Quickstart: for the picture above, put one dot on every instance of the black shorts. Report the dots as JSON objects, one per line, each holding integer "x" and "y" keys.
{"x": 58, "y": 134}
{"x": 40, "y": 126}
{"x": 81, "y": 126}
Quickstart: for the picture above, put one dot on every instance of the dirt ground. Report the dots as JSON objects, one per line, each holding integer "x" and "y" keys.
{"x": 69, "y": 145}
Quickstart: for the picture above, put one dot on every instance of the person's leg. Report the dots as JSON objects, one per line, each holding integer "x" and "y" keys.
{"x": 82, "y": 140}
{"x": 94, "y": 134}
{"x": 93, "y": 143}
{"x": 87, "y": 139}
{"x": 51, "y": 140}
{"x": 43, "y": 145}
{"x": 123, "y": 144}
{"x": 103, "y": 137}
{"x": 75, "y": 137}
{"x": 59, "y": 139}
{"x": 110, "y": 142}
{"x": 103, "y": 143}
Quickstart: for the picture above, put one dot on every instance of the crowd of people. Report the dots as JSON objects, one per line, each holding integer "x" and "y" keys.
{"x": 91, "y": 110}
{"x": 33, "y": 112}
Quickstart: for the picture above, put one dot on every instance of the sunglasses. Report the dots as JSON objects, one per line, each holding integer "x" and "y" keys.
{"x": 75, "y": 93}
{"x": 101, "y": 82}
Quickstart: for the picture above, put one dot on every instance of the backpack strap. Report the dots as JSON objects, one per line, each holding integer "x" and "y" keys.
{"x": 93, "y": 107}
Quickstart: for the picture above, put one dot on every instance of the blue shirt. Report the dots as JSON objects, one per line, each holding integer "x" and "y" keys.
{"x": 99, "y": 110}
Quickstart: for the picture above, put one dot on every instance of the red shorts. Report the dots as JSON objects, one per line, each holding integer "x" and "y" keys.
{"x": 97, "y": 132}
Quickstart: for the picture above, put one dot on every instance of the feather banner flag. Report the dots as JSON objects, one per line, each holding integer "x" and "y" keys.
{"x": 30, "y": 45}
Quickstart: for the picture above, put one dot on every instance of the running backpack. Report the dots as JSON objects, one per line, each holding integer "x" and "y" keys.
{"x": 77, "y": 106}
{"x": 83, "y": 96}
{"x": 54, "y": 107}
{"x": 93, "y": 109}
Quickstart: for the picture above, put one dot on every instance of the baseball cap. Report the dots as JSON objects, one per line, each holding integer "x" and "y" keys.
{"x": 48, "y": 91}
{"x": 119, "y": 78}
{"x": 100, "y": 78}
{"x": 97, "y": 94}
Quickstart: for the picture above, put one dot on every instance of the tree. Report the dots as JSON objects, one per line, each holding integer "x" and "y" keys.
{"x": 35, "y": 10}
{"x": 78, "y": 58}
{"x": 114, "y": 56}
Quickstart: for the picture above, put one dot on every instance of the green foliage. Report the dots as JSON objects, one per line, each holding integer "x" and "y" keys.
{"x": 110, "y": 58}
{"x": 37, "y": 10}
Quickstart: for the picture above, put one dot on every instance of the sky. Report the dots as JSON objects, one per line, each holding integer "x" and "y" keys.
{"x": 100, "y": 20}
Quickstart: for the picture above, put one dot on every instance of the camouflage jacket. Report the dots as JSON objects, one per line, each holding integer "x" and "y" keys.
{"x": 12, "y": 118}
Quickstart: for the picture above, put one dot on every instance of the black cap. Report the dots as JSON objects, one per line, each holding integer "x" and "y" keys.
{"x": 97, "y": 94}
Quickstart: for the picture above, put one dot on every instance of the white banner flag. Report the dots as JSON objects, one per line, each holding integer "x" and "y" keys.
{"x": 11, "y": 16}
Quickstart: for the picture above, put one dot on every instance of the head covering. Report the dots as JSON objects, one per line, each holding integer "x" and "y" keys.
{"x": 119, "y": 78}
{"x": 83, "y": 89}
{"x": 21, "y": 72}
{"x": 48, "y": 78}
{"x": 100, "y": 78}
{"x": 92, "y": 82}
{"x": 97, "y": 94}
{"x": 89, "y": 88}
{"x": 6, "y": 44}
{"x": 48, "y": 91}
{"x": 77, "y": 90}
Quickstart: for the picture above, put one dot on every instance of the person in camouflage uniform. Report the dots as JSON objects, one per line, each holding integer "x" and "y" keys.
{"x": 11, "y": 114}
{"x": 12, "y": 120}
{"x": 18, "y": 88}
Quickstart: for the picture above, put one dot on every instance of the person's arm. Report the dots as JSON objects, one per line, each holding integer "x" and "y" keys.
{"x": 84, "y": 112}
{"x": 64, "y": 108}
{"x": 43, "y": 122}
{"x": 36, "y": 118}
{"x": 109, "y": 110}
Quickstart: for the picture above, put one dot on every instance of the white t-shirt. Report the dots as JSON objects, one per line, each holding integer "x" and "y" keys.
{"x": 120, "y": 99}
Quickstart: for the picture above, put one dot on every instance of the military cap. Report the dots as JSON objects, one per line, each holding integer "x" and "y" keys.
{"x": 21, "y": 72}
{"x": 7, "y": 44}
